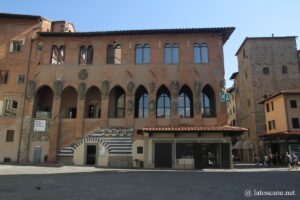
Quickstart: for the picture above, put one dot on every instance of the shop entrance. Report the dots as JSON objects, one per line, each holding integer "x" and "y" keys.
{"x": 163, "y": 155}
{"x": 206, "y": 156}
{"x": 91, "y": 154}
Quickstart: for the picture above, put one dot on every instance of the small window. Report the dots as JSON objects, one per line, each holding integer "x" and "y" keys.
{"x": 39, "y": 46}
{"x": 11, "y": 108}
{"x": 3, "y": 76}
{"x": 268, "y": 107}
{"x": 272, "y": 106}
{"x": 16, "y": 46}
{"x": 6, "y": 160}
{"x": 295, "y": 123}
{"x": 1, "y": 107}
{"x": 139, "y": 150}
{"x": 293, "y": 103}
{"x": 10, "y": 135}
{"x": 284, "y": 69}
{"x": 270, "y": 125}
{"x": 86, "y": 55}
{"x": 265, "y": 70}
{"x": 273, "y": 124}
{"x": 246, "y": 75}
{"x": 21, "y": 79}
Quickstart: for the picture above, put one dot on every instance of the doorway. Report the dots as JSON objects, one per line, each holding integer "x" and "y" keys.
{"x": 91, "y": 154}
{"x": 37, "y": 154}
{"x": 163, "y": 155}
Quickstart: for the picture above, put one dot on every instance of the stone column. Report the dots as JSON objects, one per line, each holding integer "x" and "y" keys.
{"x": 79, "y": 119}
{"x": 54, "y": 130}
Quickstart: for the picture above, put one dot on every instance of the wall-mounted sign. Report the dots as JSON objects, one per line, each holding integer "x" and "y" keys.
{"x": 39, "y": 126}
{"x": 101, "y": 151}
{"x": 225, "y": 97}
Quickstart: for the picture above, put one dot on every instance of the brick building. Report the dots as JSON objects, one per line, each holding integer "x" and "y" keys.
{"x": 120, "y": 98}
{"x": 266, "y": 66}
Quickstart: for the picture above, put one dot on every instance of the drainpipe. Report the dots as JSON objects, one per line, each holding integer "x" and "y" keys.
{"x": 24, "y": 99}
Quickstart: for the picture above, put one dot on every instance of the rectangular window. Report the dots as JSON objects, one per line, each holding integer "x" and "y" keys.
{"x": 267, "y": 107}
{"x": 16, "y": 46}
{"x": 273, "y": 124}
{"x": 249, "y": 102}
{"x": 295, "y": 123}
{"x": 10, "y": 135}
{"x": 272, "y": 105}
{"x": 293, "y": 103}
{"x": 11, "y": 108}
{"x": 3, "y": 76}
{"x": 1, "y": 107}
{"x": 140, "y": 150}
{"x": 270, "y": 125}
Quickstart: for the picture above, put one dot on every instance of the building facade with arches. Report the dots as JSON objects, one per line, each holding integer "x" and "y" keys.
{"x": 136, "y": 98}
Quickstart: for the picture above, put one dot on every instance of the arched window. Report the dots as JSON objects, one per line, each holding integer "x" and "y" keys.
{"x": 114, "y": 54}
{"x": 265, "y": 70}
{"x": 69, "y": 103}
{"x": 93, "y": 103}
{"x": 171, "y": 53}
{"x": 58, "y": 55}
{"x": 163, "y": 103}
{"x": 61, "y": 55}
{"x": 185, "y": 102}
{"x": 200, "y": 53}
{"x": 208, "y": 102}
{"x": 284, "y": 69}
{"x": 43, "y": 101}
{"x": 142, "y": 54}
{"x": 86, "y": 55}
{"x": 141, "y": 103}
{"x": 54, "y": 55}
{"x": 117, "y": 103}
{"x": 82, "y": 55}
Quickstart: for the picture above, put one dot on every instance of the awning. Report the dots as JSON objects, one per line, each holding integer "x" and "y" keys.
{"x": 238, "y": 145}
{"x": 248, "y": 145}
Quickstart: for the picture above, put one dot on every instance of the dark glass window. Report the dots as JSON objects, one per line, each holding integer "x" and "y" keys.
{"x": 268, "y": 107}
{"x": 200, "y": 53}
{"x": 265, "y": 70}
{"x": 141, "y": 103}
{"x": 16, "y": 46}
{"x": 3, "y": 76}
{"x": 293, "y": 103}
{"x": 284, "y": 69}
{"x": 208, "y": 102}
{"x": 10, "y": 135}
{"x": 185, "y": 102}
{"x": 142, "y": 54}
{"x": 171, "y": 53}
{"x": 82, "y": 55}
{"x": 90, "y": 55}
{"x": 295, "y": 123}
{"x": 163, "y": 103}
{"x": 139, "y": 150}
{"x": 86, "y": 55}
{"x": 114, "y": 54}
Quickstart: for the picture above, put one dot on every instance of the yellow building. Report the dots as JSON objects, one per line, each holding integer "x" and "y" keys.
{"x": 282, "y": 112}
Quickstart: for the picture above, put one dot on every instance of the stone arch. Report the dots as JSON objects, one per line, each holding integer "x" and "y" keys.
{"x": 116, "y": 104}
{"x": 43, "y": 102}
{"x": 69, "y": 98}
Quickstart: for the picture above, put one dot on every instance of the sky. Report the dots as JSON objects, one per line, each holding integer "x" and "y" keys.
{"x": 252, "y": 18}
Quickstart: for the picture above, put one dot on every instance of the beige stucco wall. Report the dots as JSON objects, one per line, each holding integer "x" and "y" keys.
{"x": 278, "y": 114}
{"x": 135, "y": 155}
{"x": 292, "y": 112}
